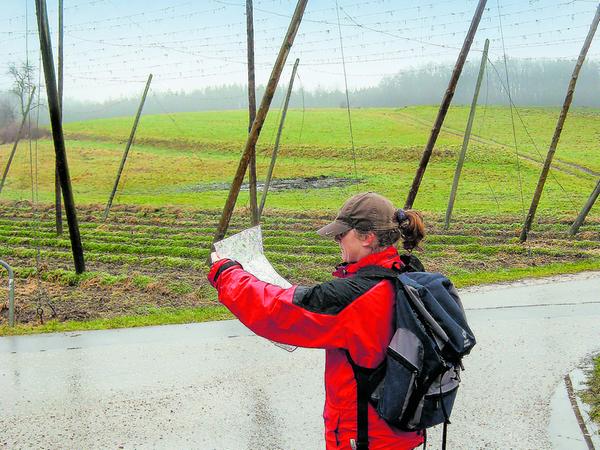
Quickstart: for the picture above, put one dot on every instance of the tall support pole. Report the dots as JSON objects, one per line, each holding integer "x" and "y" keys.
{"x": 559, "y": 126}
{"x": 586, "y": 209}
{"x": 254, "y": 213}
{"x": 57, "y": 135}
{"x": 277, "y": 139}
{"x": 465, "y": 144}
{"x": 60, "y": 59}
{"x": 260, "y": 119}
{"x": 127, "y": 147}
{"x": 437, "y": 126}
{"x": 17, "y": 138}
{"x": 57, "y": 193}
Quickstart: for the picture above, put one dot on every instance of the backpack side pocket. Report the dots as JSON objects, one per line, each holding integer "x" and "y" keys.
{"x": 404, "y": 360}
{"x": 436, "y": 405}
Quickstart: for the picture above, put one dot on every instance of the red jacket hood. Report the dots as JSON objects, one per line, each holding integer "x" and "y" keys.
{"x": 388, "y": 258}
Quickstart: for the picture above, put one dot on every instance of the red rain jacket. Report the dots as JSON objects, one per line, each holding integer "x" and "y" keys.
{"x": 352, "y": 312}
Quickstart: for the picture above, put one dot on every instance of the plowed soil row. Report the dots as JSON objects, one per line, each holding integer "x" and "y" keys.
{"x": 144, "y": 258}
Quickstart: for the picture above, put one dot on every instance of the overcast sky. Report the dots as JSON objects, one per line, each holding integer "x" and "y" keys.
{"x": 111, "y": 46}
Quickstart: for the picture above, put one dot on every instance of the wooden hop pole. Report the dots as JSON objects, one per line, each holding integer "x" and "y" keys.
{"x": 260, "y": 119}
{"x": 57, "y": 135}
{"x": 60, "y": 59}
{"x": 57, "y": 193}
{"x": 437, "y": 126}
{"x": 559, "y": 126}
{"x": 254, "y": 214}
{"x": 127, "y": 147}
{"x": 277, "y": 139}
{"x": 586, "y": 209}
{"x": 465, "y": 144}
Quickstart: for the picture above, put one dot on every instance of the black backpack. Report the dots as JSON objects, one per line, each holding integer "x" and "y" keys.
{"x": 415, "y": 386}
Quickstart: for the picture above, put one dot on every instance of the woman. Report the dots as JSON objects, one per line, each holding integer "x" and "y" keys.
{"x": 351, "y": 314}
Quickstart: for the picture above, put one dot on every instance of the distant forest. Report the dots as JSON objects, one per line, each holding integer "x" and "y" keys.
{"x": 533, "y": 82}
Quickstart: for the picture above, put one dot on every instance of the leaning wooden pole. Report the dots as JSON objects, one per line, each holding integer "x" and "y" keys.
{"x": 127, "y": 147}
{"x": 57, "y": 193}
{"x": 586, "y": 209}
{"x": 465, "y": 144}
{"x": 254, "y": 213}
{"x": 277, "y": 139}
{"x": 17, "y": 139}
{"x": 57, "y": 134}
{"x": 437, "y": 126}
{"x": 558, "y": 130}
{"x": 60, "y": 59}
{"x": 260, "y": 119}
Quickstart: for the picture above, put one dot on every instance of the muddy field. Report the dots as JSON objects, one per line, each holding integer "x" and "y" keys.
{"x": 319, "y": 182}
{"x": 142, "y": 259}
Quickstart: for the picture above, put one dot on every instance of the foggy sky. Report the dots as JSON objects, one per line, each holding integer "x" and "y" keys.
{"x": 112, "y": 46}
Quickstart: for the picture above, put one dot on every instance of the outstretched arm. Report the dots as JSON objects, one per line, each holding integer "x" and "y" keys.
{"x": 279, "y": 314}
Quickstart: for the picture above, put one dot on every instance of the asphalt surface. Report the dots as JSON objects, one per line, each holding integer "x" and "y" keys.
{"x": 217, "y": 386}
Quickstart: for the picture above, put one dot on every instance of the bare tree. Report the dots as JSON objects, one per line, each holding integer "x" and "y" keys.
{"x": 22, "y": 75}
{"x": 7, "y": 112}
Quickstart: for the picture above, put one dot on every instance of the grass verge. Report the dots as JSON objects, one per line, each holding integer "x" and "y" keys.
{"x": 152, "y": 316}
{"x": 592, "y": 395}
{"x": 461, "y": 280}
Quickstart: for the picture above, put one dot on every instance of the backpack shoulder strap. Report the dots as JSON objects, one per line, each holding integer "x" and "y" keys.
{"x": 411, "y": 263}
{"x": 362, "y": 376}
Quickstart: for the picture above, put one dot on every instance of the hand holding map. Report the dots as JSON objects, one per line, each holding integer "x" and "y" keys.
{"x": 247, "y": 249}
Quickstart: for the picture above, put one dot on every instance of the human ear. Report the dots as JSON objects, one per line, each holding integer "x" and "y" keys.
{"x": 369, "y": 240}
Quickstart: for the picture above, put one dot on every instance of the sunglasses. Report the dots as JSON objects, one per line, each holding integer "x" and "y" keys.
{"x": 339, "y": 237}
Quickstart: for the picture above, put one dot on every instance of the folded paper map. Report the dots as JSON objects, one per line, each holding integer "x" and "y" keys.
{"x": 246, "y": 248}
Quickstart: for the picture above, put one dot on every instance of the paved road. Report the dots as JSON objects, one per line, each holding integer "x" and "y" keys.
{"x": 216, "y": 386}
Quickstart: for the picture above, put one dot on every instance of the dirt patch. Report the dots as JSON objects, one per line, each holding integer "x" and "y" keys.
{"x": 281, "y": 184}
{"x": 40, "y": 301}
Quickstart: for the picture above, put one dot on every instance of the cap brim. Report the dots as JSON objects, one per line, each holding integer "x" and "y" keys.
{"x": 334, "y": 228}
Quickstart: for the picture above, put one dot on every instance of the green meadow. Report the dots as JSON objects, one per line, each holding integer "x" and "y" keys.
{"x": 176, "y": 157}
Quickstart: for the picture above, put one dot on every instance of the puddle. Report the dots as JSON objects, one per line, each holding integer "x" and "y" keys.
{"x": 280, "y": 184}
{"x": 564, "y": 430}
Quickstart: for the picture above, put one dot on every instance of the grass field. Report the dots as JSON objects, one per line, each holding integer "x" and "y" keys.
{"x": 177, "y": 156}
{"x": 146, "y": 264}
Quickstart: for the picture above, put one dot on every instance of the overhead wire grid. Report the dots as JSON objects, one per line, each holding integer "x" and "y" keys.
{"x": 188, "y": 45}
{"x": 200, "y": 43}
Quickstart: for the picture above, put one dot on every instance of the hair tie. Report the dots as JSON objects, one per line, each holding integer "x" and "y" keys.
{"x": 401, "y": 216}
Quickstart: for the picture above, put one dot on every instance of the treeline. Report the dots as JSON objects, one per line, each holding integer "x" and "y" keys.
{"x": 533, "y": 82}
{"x": 538, "y": 82}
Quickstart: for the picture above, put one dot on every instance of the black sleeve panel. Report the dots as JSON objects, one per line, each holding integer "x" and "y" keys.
{"x": 226, "y": 266}
{"x": 333, "y": 296}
